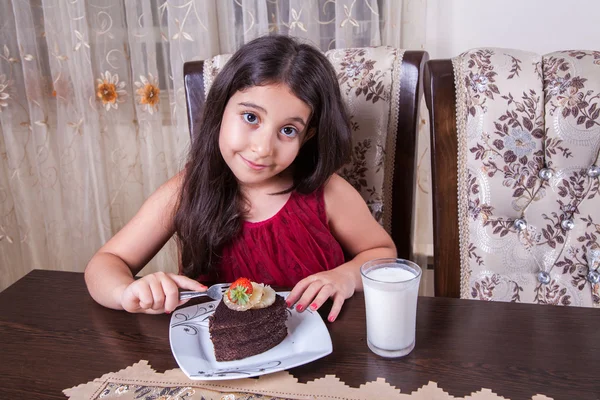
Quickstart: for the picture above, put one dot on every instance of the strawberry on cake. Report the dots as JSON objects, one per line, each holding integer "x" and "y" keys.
{"x": 250, "y": 319}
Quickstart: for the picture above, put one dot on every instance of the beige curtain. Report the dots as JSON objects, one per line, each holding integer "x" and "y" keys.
{"x": 92, "y": 110}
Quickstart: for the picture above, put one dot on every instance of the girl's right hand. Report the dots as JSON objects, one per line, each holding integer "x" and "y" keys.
{"x": 157, "y": 293}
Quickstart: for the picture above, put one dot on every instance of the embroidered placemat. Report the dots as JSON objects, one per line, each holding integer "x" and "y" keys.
{"x": 140, "y": 381}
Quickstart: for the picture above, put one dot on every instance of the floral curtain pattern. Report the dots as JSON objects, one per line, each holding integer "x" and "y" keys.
{"x": 92, "y": 107}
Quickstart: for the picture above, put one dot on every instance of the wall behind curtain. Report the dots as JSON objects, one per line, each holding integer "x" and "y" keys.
{"x": 92, "y": 111}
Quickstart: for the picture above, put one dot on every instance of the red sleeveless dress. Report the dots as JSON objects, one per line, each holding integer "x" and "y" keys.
{"x": 293, "y": 244}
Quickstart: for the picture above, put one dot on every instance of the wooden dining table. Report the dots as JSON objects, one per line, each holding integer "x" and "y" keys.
{"x": 53, "y": 336}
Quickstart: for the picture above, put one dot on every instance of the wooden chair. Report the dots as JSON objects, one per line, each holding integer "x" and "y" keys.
{"x": 404, "y": 168}
{"x": 515, "y": 155}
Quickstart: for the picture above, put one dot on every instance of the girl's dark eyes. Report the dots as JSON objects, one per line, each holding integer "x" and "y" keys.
{"x": 289, "y": 131}
{"x": 250, "y": 118}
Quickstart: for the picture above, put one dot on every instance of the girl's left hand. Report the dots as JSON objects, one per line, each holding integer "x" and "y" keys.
{"x": 314, "y": 290}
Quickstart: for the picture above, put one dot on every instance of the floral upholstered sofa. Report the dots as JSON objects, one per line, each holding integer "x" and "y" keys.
{"x": 528, "y": 141}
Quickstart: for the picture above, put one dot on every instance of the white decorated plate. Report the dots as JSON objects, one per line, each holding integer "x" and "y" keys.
{"x": 307, "y": 340}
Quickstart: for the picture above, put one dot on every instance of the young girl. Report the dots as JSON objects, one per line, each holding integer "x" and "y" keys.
{"x": 258, "y": 197}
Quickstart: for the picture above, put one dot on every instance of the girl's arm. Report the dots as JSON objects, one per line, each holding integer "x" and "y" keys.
{"x": 359, "y": 234}
{"x": 109, "y": 274}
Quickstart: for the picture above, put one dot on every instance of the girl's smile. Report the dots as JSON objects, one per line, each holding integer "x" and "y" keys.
{"x": 255, "y": 166}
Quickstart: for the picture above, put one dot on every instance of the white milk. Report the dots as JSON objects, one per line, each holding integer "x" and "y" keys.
{"x": 391, "y": 306}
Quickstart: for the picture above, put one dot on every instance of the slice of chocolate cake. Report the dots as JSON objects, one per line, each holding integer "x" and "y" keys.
{"x": 241, "y": 334}
{"x": 245, "y": 326}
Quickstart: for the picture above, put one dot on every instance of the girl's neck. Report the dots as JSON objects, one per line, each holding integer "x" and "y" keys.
{"x": 262, "y": 200}
{"x": 277, "y": 184}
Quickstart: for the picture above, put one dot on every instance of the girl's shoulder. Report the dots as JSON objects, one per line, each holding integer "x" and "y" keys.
{"x": 340, "y": 197}
{"x": 336, "y": 188}
{"x": 165, "y": 199}
{"x": 171, "y": 189}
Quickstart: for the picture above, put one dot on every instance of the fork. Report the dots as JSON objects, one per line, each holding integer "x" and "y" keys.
{"x": 215, "y": 292}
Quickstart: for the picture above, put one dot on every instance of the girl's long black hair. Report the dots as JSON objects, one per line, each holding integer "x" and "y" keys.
{"x": 211, "y": 207}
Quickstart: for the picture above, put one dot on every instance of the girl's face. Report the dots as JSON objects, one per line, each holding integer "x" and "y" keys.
{"x": 262, "y": 130}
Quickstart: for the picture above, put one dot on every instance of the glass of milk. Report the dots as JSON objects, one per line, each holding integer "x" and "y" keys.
{"x": 391, "y": 287}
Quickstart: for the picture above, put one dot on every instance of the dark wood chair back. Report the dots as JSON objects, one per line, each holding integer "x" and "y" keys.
{"x": 440, "y": 98}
